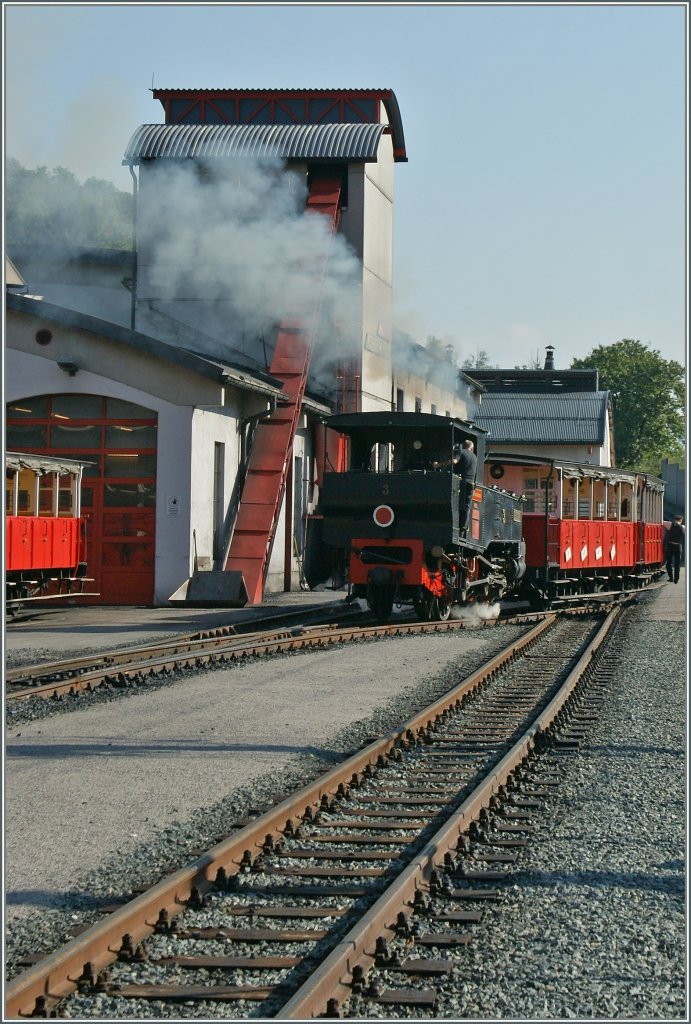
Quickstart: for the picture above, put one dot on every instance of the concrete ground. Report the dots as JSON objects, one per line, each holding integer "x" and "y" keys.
{"x": 81, "y": 786}
{"x": 52, "y": 632}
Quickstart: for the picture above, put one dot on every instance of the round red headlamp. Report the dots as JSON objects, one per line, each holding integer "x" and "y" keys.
{"x": 383, "y": 515}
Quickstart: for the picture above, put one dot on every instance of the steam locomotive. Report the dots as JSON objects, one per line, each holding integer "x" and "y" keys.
{"x": 539, "y": 529}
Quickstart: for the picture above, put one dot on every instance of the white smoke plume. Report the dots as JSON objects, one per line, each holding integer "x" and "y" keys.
{"x": 473, "y": 615}
{"x": 230, "y": 242}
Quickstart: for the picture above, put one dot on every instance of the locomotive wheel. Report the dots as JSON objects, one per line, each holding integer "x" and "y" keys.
{"x": 380, "y": 602}
{"x": 431, "y": 608}
{"x": 441, "y": 610}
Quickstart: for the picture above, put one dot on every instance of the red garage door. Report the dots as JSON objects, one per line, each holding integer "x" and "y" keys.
{"x": 118, "y": 439}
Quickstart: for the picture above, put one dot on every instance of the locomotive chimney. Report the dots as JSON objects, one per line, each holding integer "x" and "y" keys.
{"x": 549, "y": 358}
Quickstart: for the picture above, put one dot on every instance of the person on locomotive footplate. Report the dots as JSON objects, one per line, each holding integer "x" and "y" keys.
{"x": 464, "y": 462}
{"x": 674, "y": 545}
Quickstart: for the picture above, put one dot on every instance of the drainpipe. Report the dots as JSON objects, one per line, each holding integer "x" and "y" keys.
{"x": 135, "y": 210}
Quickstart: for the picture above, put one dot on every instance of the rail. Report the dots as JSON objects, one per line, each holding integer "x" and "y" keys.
{"x": 38, "y": 990}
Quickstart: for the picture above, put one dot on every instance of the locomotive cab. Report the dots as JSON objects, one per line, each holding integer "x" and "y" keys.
{"x": 408, "y": 530}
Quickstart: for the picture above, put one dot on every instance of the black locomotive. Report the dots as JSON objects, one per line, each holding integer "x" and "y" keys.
{"x": 405, "y": 531}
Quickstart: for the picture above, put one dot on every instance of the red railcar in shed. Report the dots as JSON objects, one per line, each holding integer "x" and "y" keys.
{"x": 45, "y": 547}
{"x": 587, "y": 529}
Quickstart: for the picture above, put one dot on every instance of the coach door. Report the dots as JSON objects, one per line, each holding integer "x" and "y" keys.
{"x": 118, "y": 441}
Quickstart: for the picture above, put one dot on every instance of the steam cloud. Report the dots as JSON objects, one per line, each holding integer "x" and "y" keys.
{"x": 473, "y": 615}
{"x": 231, "y": 241}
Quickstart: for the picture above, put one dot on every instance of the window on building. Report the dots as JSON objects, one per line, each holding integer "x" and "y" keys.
{"x": 400, "y": 400}
{"x": 418, "y": 404}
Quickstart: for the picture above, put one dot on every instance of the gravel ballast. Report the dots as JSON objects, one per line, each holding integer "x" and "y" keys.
{"x": 591, "y": 925}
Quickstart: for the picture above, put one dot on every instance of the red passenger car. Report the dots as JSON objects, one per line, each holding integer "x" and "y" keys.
{"x": 45, "y": 554}
{"x": 587, "y": 529}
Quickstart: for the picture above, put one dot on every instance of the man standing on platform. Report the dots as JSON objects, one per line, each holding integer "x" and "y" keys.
{"x": 463, "y": 461}
{"x": 674, "y": 544}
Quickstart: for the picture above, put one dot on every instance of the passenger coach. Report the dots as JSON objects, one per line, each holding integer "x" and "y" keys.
{"x": 45, "y": 540}
{"x": 587, "y": 529}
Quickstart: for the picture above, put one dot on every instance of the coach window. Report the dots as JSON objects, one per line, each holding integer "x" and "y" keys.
{"x": 585, "y": 499}
{"x": 614, "y": 501}
{"x": 570, "y": 497}
{"x": 48, "y": 494}
{"x": 559, "y": 507}
{"x": 11, "y": 492}
{"x": 530, "y": 490}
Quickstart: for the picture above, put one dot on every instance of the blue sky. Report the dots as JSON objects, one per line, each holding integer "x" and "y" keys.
{"x": 544, "y": 201}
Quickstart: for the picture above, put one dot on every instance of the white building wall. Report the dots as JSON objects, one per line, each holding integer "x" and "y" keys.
{"x": 607, "y": 452}
{"x": 187, "y": 430}
{"x": 377, "y": 293}
{"x": 592, "y": 455}
{"x": 209, "y": 428}
{"x": 367, "y": 225}
{"x": 445, "y": 400}
{"x": 174, "y": 454}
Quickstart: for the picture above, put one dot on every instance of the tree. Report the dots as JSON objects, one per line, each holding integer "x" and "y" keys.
{"x": 533, "y": 363}
{"x": 480, "y": 361}
{"x": 52, "y": 210}
{"x": 648, "y": 400}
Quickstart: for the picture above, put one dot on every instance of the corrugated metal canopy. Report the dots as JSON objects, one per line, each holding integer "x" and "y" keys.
{"x": 352, "y": 142}
{"x": 572, "y": 418}
{"x": 43, "y": 463}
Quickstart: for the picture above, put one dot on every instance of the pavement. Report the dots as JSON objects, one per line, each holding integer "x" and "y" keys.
{"x": 65, "y": 628}
{"x": 99, "y": 780}
{"x": 670, "y": 602}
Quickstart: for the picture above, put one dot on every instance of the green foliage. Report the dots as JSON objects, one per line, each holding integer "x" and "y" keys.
{"x": 51, "y": 210}
{"x": 480, "y": 361}
{"x": 648, "y": 401}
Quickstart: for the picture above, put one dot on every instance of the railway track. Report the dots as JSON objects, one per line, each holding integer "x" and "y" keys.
{"x": 357, "y": 891}
{"x": 134, "y": 665}
{"x": 71, "y": 668}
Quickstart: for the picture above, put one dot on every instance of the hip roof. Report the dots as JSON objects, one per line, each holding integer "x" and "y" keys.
{"x": 572, "y": 418}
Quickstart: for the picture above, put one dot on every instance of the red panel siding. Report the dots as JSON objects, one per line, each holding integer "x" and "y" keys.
{"x": 44, "y": 543}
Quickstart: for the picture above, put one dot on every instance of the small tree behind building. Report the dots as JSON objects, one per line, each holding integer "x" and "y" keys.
{"x": 648, "y": 401}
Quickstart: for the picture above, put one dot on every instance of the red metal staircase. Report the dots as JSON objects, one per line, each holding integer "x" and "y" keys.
{"x": 269, "y": 461}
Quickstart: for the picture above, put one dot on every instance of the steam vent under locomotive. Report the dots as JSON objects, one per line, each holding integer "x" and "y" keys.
{"x": 396, "y": 519}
